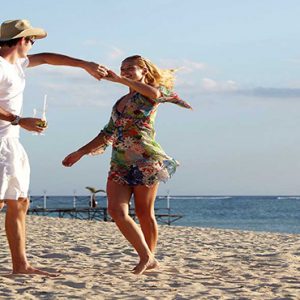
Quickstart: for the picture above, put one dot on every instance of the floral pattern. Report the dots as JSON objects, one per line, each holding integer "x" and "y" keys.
{"x": 137, "y": 159}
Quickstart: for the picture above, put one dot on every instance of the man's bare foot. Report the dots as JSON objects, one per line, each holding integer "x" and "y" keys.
{"x": 1, "y": 205}
{"x": 32, "y": 271}
{"x": 143, "y": 265}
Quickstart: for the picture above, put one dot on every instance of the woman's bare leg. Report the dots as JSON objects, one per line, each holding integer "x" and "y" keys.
{"x": 144, "y": 198}
{"x": 118, "y": 199}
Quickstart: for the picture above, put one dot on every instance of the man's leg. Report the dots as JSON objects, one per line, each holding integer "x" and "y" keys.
{"x": 15, "y": 227}
{"x": 1, "y": 205}
{"x": 15, "y": 232}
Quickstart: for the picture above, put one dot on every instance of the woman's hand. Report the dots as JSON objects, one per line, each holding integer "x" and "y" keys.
{"x": 72, "y": 158}
{"x": 33, "y": 124}
{"x": 112, "y": 76}
{"x": 96, "y": 70}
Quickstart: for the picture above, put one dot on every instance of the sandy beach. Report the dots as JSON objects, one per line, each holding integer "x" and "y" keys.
{"x": 95, "y": 262}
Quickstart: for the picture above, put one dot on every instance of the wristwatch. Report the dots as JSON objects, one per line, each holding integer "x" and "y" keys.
{"x": 15, "y": 121}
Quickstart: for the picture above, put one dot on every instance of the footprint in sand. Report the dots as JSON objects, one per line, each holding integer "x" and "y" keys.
{"x": 81, "y": 249}
{"x": 55, "y": 255}
{"x": 75, "y": 285}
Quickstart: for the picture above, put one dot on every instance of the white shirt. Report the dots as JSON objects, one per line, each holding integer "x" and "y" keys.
{"x": 12, "y": 84}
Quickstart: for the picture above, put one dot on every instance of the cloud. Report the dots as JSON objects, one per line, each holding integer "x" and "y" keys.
{"x": 208, "y": 86}
{"x": 91, "y": 43}
{"x": 102, "y": 94}
{"x": 53, "y": 72}
{"x": 185, "y": 65}
{"x": 232, "y": 88}
{"x": 116, "y": 53}
{"x": 112, "y": 52}
{"x": 269, "y": 92}
{"x": 72, "y": 87}
{"x": 294, "y": 60}
{"x": 211, "y": 85}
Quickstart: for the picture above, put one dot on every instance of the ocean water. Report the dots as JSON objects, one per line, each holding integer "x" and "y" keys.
{"x": 256, "y": 213}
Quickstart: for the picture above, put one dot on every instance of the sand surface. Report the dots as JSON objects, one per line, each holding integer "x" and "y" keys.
{"x": 95, "y": 263}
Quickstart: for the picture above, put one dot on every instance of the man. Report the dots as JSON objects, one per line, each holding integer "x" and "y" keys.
{"x": 16, "y": 39}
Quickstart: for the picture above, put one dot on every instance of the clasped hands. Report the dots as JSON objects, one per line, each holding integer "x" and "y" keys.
{"x": 100, "y": 72}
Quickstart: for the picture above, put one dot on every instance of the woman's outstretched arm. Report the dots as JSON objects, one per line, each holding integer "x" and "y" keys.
{"x": 99, "y": 141}
{"x": 140, "y": 87}
{"x": 95, "y": 146}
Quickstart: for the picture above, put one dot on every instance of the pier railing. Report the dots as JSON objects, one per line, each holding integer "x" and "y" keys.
{"x": 163, "y": 215}
{"x": 98, "y": 213}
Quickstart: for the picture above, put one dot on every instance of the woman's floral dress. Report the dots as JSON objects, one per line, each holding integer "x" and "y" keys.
{"x": 137, "y": 159}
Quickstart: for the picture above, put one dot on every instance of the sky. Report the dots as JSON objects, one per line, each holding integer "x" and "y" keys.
{"x": 239, "y": 67}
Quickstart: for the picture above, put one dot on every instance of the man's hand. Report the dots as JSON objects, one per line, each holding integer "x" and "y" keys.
{"x": 96, "y": 70}
{"x": 33, "y": 124}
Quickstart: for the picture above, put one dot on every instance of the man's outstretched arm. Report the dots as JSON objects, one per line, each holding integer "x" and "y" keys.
{"x": 94, "y": 69}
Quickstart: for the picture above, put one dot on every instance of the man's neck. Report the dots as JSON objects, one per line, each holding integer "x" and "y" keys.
{"x": 10, "y": 54}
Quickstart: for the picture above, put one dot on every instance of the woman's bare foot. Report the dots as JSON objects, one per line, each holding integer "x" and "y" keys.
{"x": 32, "y": 271}
{"x": 143, "y": 265}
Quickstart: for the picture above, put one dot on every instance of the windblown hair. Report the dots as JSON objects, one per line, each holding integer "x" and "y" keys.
{"x": 155, "y": 76}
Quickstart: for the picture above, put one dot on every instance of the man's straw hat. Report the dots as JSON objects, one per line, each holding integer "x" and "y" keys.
{"x": 14, "y": 29}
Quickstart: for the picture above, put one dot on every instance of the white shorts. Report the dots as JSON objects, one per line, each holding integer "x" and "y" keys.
{"x": 14, "y": 170}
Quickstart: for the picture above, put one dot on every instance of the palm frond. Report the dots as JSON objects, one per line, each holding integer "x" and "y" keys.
{"x": 93, "y": 190}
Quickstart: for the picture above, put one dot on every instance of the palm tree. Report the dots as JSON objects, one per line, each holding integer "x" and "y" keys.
{"x": 93, "y": 202}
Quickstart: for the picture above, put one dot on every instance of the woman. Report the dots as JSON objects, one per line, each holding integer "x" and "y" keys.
{"x": 138, "y": 163}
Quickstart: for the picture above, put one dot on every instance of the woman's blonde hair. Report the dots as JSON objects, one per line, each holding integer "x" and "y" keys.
{"x": 155, "y": 76}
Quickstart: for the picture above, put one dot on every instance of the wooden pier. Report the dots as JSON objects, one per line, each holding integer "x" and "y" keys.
{"x": 100, "y": 214}
{"x": 93, "y": 210}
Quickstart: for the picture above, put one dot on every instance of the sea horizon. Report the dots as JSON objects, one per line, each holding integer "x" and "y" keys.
{"x": 276, "y": 213}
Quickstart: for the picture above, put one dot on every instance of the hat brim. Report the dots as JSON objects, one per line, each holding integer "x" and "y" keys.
{"x": 39, "y": 33}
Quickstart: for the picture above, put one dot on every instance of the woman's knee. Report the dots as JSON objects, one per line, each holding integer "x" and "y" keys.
{"x": 146, "y": 215}
{"x": 117, "y": 213}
